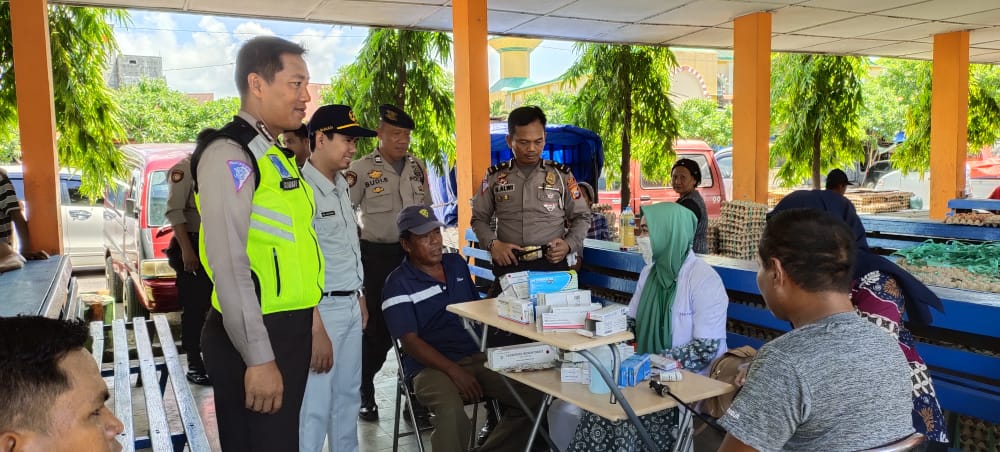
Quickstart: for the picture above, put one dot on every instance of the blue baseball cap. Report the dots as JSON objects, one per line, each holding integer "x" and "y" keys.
{"x": 418, "y": 220}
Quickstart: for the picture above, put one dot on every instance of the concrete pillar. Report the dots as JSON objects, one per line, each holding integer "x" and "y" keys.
{"x": 29, "y": 20}
{"x": 949, "y": 119}
{"x": 472, "y": 103}
{"x": 751, "y": 106}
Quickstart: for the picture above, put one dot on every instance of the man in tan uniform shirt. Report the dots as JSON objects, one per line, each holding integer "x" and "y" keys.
{"x": 194, "y": 287}
{"x": 532, "y": 200}
{"x": 381, "y": 185}
{"x": 258, "y": 363}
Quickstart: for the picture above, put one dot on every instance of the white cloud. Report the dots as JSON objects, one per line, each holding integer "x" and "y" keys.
{"x": 204, "y": 62}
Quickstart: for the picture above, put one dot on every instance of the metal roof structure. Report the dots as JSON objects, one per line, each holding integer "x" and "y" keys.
{"x": 889, "y": 28}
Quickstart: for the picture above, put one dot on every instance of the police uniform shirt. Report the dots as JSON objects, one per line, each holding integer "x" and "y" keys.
{"x": 379, "y": 193}
{"x": 531, "y": 208}
{"x": 226, "y": 197}
{"x": 337, "y": 231}
{"x": 181, "y": 208}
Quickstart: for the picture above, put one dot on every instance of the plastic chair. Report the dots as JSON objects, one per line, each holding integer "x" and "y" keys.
{"x": 404, "y": 389}
{"x": 909, "y": 443}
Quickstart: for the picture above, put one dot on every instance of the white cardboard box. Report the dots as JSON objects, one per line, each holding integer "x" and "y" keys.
{"x": 570, "y": 372}
{"x": 569, "y": 298}
{"x": 518, "y": 310}
{"x": 533, "y": 355}
{"x": 608, "y": 327}
{"x": 515, "y": 285}
{"x": 554, "y": 318}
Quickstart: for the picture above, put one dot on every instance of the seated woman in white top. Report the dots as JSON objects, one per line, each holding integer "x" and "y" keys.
{"x": 679, "y": 308}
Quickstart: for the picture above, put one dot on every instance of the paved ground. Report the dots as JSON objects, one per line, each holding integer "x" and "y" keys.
{"x": 373, "y": 436}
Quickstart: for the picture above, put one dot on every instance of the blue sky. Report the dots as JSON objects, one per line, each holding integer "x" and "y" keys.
{"x": 198, "y": 51}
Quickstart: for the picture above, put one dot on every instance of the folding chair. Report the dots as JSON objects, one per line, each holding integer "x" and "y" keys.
{"x": 404, "y": 389}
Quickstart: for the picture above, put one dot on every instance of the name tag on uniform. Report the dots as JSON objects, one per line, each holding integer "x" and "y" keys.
{"x": 289, "y": 184}
{"x": 328, "y": 213}
{"x": 503, "y": 188}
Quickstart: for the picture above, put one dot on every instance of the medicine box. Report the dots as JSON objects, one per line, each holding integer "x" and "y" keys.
{"x": 518, "y": 310}
{"x": 515, "y": 285}
{"x": 608, "y": 327}
{"x": 530, "y": 356}
{"x": 570, "y": 372}
{"x": 548, "y": 282}
{"x": 552, "y": 318}
{"x": 634, "y": 370}
{"x": 568, "y": 298}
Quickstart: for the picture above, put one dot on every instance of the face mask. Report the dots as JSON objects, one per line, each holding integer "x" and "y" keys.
{"x": 645, "y": 248}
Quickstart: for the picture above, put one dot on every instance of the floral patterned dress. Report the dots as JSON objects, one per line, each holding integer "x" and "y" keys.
{"x": 877, "y": 297}
{"x": 595, "y": 433}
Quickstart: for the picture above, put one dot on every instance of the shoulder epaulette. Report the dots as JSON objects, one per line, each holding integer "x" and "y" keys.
{"x": 559, "y": 166}
{"x": 499, "y": 166}
{"x": 238, "y": 130}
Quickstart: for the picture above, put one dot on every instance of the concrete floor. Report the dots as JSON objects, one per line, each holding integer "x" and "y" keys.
{"x": 373, "y": 436}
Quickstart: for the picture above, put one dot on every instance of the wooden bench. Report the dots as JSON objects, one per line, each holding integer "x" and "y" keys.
{"x": 960, "y": 346}
{"x": 158, "y": 369}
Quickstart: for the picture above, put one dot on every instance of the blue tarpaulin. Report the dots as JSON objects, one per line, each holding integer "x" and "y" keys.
{"x": 581, "y": 149}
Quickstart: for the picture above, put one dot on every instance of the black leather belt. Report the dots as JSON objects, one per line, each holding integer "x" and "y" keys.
{"x": 339, "y": 293}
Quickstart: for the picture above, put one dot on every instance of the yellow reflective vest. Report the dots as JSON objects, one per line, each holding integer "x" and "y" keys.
{"x": 285, "y": 259}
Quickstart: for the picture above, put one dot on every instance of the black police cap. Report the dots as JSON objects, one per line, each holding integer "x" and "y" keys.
{"x": 339, "y": 119}
{"x": 394, "y": 116}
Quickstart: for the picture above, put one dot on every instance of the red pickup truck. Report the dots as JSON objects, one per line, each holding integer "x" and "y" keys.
{"x": 645, "y": 191}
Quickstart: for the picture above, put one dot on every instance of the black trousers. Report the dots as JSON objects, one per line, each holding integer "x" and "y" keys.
{"x": 378, "y": 260}
{"x": 194, "y": 292}
{"x": 243, "y": 430}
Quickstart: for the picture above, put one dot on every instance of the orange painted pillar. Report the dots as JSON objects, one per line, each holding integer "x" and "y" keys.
{"x": 949, "y": 119}
{"x": 29, "y": 20}
{"x": 751, "y": 106}
{"x": 472, "y": 103}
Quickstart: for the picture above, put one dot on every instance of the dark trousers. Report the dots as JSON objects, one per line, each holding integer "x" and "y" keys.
{"x": 243, "y": 430}
{"x": 378, "y": 260}
{"x": 194, "y": 291}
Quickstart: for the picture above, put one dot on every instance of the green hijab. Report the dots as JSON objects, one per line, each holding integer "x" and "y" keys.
{"x": 671, "y": 234}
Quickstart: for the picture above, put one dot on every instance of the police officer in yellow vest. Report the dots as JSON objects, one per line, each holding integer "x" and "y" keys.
{"x": 258, "y": 245}
{"x": 381, "y": 185}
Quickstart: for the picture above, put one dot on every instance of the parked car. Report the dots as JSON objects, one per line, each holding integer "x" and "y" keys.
{"x": 917, "y": 183}
{"x": 136, "y": 230}
{"x": 648, "y": 191}
{"x": 82, "y": 219}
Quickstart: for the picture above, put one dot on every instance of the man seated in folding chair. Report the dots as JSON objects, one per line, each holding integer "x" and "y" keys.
{"x": 441, "y": 360}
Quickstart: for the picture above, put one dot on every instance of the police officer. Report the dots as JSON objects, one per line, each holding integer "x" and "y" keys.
{"x": 297, "y": 141}
{"x": 260, "y": 249}
{"x": 194, "y": 289}
{"x": 332, "y": 394}
{"x": 532, "y": 201}
{"x": 382, "y": 184}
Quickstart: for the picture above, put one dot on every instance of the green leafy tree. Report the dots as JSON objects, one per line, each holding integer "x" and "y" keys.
{"x": 624, "y": 99}
{"x": 215, "y": 113}
{"x": 702, "y": 119}
{"x": 87, "y": 121}
{"x": 154, "y": 113}
{"x": 885, "y": 110}
{"x": 816, "y": 107}
{"x": 496, "y": 108}
{"x": 555, "y": 105}
{"x": 911, "y": 80}
{"x": 404, "y": 68}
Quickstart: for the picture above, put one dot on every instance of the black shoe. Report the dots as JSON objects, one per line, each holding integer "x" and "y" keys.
{"x": 423, "y": 416}
{"x": 484, "y": 433}
{"x": 368, "y": 413}
{"x": 198, "y": 377}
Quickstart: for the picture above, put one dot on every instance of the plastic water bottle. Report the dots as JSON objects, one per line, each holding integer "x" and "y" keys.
{"x": 597, "y": 383}
{"x": 627, "y": 230}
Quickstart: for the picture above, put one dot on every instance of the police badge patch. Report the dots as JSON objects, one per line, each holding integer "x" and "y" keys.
{"x": 176, "y": 176}
{"x": 352, "y": 178}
